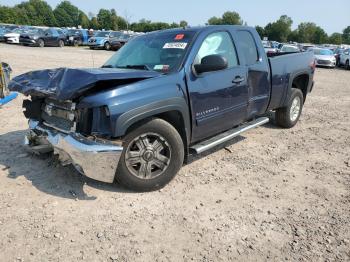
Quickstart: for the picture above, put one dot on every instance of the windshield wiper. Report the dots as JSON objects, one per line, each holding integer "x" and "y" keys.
{"x": 107, "y": 66}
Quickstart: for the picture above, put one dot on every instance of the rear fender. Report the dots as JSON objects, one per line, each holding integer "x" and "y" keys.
{"x": 292, "y": 77}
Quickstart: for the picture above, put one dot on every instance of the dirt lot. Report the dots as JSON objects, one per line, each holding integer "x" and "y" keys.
{"x": 273, "y": 194}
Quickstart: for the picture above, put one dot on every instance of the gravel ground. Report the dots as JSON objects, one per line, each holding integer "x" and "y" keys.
{"x": 272, "y": 194}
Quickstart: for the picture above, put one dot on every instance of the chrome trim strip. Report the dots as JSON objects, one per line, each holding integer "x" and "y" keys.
{"x": 224, "y": 137}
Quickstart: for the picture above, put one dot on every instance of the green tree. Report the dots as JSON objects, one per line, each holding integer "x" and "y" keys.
{"x": 280, "y": 29}
{"x": 38, "y": 12}
{"x": 261, "y": 31}
{"x": 94, "y": 23}
{"x": 320, "y": 36}
{"x": 311, "y": 33}
{"x": 228, "y": 18}
{"x": 215, "y": 21}
{"x": 7, "y": 15}
{"x": 183, "y": 23}
{"x": 108, "y": 19}
{"x": 83, "y": 20}
{"x": 346, "y": 35}
{"x": 336, "y": 39}
{"x": 231, "y": 18}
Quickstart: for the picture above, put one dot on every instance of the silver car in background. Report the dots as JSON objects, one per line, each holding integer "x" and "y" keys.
{"x": 324, "y": 57}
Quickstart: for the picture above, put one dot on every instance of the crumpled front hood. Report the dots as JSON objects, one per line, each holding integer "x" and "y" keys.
{"x": 68, "y": 84}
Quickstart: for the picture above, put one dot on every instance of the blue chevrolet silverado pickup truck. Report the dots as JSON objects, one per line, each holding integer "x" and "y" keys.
{"x": 164, "y": 96}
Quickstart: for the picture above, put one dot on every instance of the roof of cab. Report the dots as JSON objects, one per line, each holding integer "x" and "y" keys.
{"x": 201, "y": 28}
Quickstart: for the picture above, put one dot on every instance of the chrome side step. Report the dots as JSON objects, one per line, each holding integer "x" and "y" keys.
{"x": 228, "y": 135}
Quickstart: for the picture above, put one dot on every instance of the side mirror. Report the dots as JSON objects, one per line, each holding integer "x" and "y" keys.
{"x": 211, "y": 63}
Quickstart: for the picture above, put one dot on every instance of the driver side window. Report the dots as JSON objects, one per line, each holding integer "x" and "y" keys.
{"x": 48, "y": 32}
{"x": 219, "y": 43}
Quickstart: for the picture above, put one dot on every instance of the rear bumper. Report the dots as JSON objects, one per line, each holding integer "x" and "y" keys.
{"x": 94, "y": 159}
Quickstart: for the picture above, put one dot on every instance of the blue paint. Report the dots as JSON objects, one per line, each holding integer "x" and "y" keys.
{"x": 8, "y": 98}
{"x": 208, "y": 104}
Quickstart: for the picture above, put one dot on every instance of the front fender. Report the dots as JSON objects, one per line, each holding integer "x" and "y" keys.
{"x": 131, "y": 117}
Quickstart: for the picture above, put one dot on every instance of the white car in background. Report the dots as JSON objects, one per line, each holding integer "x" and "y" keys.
{"x": 324, "y": 57}
{"x": 345, "y": 59}
{"x": 13, "y": 37}
{"x": 289, "y": 49}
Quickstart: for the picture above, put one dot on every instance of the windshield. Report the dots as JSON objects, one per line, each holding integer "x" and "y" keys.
{"x": 162, "y": 51}
{"x": 323, "y": 52}
{"x": 102, "y": 34}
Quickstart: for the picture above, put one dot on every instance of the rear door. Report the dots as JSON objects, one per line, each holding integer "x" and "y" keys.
{"x": 255, "y": 60}
{"x": 218, "y": 99}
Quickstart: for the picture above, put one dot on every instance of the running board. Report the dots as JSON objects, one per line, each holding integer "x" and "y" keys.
{"x": 228, "y": 135}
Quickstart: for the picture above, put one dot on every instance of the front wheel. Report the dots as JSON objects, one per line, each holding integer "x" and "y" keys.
{"x": 347, "y": 65}
{"x": 153, "y": 154}
{"x": 288, "y": 116}
{"x": 61, "y": 43}
{"x": 41, "y": 43}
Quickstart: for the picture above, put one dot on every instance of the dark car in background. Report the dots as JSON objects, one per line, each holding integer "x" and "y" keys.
{"x": 43, "y": 37}
{"x": 102, "y": 39}
{"x": 77, "y": 37}
{"x": 337, "y": 53}
{"x": 118, "y": 42}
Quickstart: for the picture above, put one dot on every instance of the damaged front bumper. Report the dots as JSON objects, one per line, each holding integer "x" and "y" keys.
{"x": 97, "y": 160}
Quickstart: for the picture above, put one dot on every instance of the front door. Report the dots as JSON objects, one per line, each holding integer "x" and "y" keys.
{"x": 218, "y": 99}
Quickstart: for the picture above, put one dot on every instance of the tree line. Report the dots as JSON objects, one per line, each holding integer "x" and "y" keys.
{"x": 39, "y": 13}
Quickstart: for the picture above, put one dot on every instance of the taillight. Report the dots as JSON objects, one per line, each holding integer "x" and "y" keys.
{"x": 313, "y": 65}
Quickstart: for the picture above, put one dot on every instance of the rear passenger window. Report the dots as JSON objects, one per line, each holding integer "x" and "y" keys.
{"x": 219, "y": 43}
{"x": 247, "y": 44}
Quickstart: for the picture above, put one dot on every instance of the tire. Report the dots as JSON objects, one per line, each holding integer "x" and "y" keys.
{"x": 41, "y": 43}
{"x": 77, "y": 43}
{"x": 92, "y": 48}
{"x": 107, "y": 46}
{"x": 288, "y": 116}
{"x": 157, "y": 154}
{"x": 60, "y": 43}
{"x": 347, "y": 65}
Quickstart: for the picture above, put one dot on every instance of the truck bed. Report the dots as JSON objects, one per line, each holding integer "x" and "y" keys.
{"x": 283, "y": 68}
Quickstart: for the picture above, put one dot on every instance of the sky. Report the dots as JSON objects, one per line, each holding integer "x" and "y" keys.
{"x": 332, "y": 16}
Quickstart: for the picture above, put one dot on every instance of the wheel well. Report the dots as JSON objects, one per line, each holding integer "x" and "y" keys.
{"x": 301, "y": 82}
{"x": 172, "y": 117}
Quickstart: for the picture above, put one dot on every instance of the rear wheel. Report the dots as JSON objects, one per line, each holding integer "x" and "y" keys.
{"x": 153, "y": 154}
{"x": 107, "y": 46}
{"x": 41, "y": 43}
{"x": 60, "y": 43}
{"x": 288, "y": 116}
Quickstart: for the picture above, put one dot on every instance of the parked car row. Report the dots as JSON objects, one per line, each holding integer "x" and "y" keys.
{"x": 325, "y": 55}
{"x": 49, "y": 36}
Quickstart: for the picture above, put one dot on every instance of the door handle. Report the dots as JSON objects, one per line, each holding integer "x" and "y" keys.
{"x": 238, "y": 80}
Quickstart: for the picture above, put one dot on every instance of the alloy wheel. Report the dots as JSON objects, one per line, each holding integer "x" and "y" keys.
{"x": 295, "y": 109}
{"x": 148, "y": 156}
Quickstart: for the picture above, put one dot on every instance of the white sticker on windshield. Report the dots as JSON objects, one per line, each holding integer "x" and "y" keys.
{"x": 175, "y": 45}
